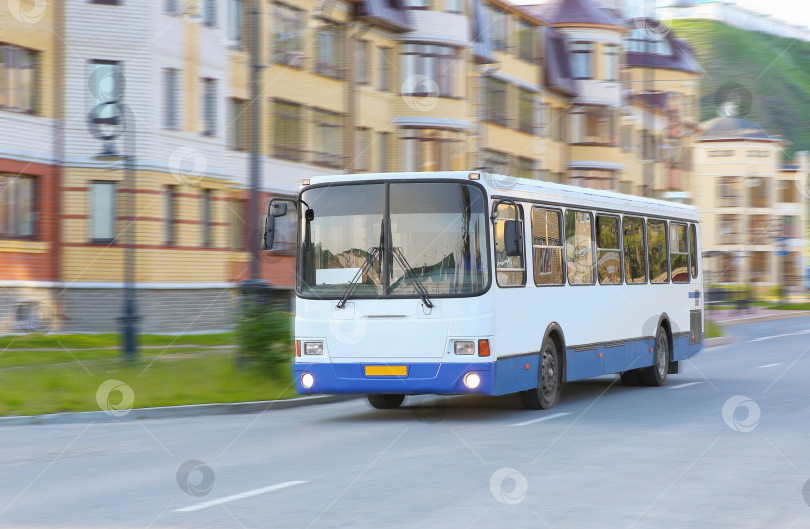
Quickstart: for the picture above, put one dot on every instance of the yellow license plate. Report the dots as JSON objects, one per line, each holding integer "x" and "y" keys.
{"x": 386, "y": 371}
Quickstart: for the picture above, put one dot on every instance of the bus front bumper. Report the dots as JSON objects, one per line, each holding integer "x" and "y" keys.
{"x": 448, "y": 378}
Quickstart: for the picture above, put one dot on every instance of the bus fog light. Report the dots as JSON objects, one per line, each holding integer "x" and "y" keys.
{"x": 464, "y": 348}
{"x": 472, "y": 380}
{"x": 307, "y": 380}
{"x": 313, "y": 348}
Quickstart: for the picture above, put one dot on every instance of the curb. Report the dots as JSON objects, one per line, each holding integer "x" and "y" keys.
{"x": 764, "y": 317}
{"x": 718, "y": 341}
{"x": 190, "y": 410}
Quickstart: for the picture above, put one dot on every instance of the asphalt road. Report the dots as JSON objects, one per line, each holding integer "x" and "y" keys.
{"x": 724, "y": 444}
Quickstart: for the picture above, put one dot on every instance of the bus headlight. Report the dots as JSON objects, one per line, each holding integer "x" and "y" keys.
{"x": 313, "y": 348}
{"x": 464, "y": 348}
{"x": 307, "y": 380}
{"x": 472, "y": 380}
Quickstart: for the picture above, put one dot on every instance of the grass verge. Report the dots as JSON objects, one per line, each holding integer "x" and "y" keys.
{"x": 713, "y": 330}
{"x": 170, "y": 381}
{"x": 84, "y": 341}
{"x": 791, "y": 306}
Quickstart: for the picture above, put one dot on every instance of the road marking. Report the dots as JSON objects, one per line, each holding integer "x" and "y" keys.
{"x": 541, "y": 419}
{"x": 769, "y": 365}
{"x": 686, "y": 385}
{"x": 806, "y": 331}
{"x": 240, "y": 496}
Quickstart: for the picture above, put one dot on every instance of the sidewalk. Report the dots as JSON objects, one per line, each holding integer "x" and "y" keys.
{"x": 751, "y": 315}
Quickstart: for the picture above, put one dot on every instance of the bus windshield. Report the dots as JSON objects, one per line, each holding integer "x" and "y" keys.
{"x": 407, "y": 234}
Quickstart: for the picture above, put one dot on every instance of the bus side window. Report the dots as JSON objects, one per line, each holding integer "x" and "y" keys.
{"x": 579, "y": 247}
{"x": 608, "y": 255}
{"x": 679, "y": 252}
{"x": 635, "y": 266}
{"x": 510, "y": 271}
{"x": 693, "y": 250}
{"x": 547, "y": 247}
{"x": 657, "y": 251}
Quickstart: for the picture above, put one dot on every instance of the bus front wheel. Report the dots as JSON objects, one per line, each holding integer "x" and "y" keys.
{"x": 549, "y": 387}
{"x": 656, "y": 374}
{"x": 385, "y": 402}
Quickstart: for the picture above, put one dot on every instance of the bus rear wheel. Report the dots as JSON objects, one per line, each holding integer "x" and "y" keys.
{"x": 656, "y": 374}
{"x": 549, "y": 388}
{"x": 385, "y": 402}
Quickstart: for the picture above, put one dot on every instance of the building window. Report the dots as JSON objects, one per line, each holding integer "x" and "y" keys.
{"x": 721, "y": 153}
{"x": 496, "y": 161}
{"x": 644, "y": 40}
{"x": 657, "y": 251}
{"x": 362, "y": 62}
{"x": 170, "y": 214}
{"x": 510, "y": 271}
{"x": 429, "y": 70}
{"x": 760, "y": 230}
{"x": 603, "y": 179}
{"x": 329, "y": 51}
{"x": 385, "y": 61}
{"x": 18, "y": 79}
{"x": 171, "y": 99}
{"x": 496, "y": 101}
{"x": 547, "y": 247}
{"x": 526, "y": 111}
{"x": 579, "y": 247}
{"x": 679, "y": 253}
{"x": 287, "y": 130}
{"x": 635, "y": 265}
{"x": 102, "y": 211}
{"x": 206, "y": 217}
{"x": 557, "y": 124}
{"x": 384, "y": 152}
{"x": 17, "y": 206}
{"x": 788, "y": 191}
{"x": 524, "y": 167}
{"x": 235, "y": 21}
{"x": 238, "y": 227}
{"x": 593, "y": 125}
{"x": 238, "y": 123}
{"x": 611, "y": 62}
{"x": 729, "y": 229}
{"x": 288, "y": 38}
{"x": 498, "y": 28}
{"x": 525, "y": 40}
{"x": 208, "y": 106}
{"x": 432, "y": 150}
{"x": 729, "y": 192}
{"x": 171, "y": 7}
{"x": 608, "y": 254}
{"x": 362, "y": 149}
{"x": 760, "y": 193}
{"x": 453, "y": 6}
{"x": 328, "y": 138}
{"x": 106, "y": 2}
{"x": 105, "y": 84}
{"x": 208, "y": 12}
{"x": 416, "y": 4}
{"x": 582, "y": 60}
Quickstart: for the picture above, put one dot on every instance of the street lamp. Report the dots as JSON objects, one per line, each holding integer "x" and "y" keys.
{"x": 108, "y": 121}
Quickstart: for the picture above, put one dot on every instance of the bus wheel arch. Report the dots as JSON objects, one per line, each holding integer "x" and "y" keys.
{"x": 555, "y": 332}
{"x": 553, "y": 346}
{"x": 656, "y": 374}
{"x": 664, "y": 322}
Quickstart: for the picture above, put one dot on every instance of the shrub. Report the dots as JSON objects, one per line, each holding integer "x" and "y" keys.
{"x": 264, "y": 336}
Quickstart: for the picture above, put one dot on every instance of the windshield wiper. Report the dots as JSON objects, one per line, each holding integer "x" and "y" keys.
{"x": 375, "y": 251}
{"x": 417, "y": 284}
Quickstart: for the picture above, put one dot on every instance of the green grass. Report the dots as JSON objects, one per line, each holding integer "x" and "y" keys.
{"x": 713, "y": 330}
{"x": 84, "y": 341}
{"x": 169, "y": 381}
{"x": 25, "y": 358}
{"x": 791, "y": 306}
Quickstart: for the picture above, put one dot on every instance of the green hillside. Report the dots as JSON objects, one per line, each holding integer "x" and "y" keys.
{"x": 776, "y": 71}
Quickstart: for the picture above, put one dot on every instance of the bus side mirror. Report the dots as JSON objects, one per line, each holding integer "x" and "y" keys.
{"x": 276, "y": 208}
{"x": 512, "y": 238}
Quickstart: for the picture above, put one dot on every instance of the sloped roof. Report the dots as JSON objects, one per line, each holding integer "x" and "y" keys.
{"x": 390, "y": 14}
{"x": 561, "y": 12}
{"x": 733, "y": 128}
{"x": 558, "y": 63}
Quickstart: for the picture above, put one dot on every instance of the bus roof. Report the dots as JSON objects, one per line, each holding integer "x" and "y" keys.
{"x": 533, "y": 190}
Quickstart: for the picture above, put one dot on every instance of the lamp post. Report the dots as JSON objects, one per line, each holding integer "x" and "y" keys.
{"x": 117, "y": 116}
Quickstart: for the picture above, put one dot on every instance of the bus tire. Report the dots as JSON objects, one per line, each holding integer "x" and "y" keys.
{"x": 549, "y": 388}
{"x": 656, "y": 374}
{"x": 631, "y": 378}
{"x": 385, "y": 402}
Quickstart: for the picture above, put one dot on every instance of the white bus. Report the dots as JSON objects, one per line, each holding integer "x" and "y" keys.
{"x": 468, "y": 282}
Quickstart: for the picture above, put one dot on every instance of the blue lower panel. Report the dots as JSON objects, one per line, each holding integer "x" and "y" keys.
{"x": 508, "y": 375}
{"x": 428, "y": 377}
{"x": 696, "y": 348}
{"x": 680, "y": 348}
